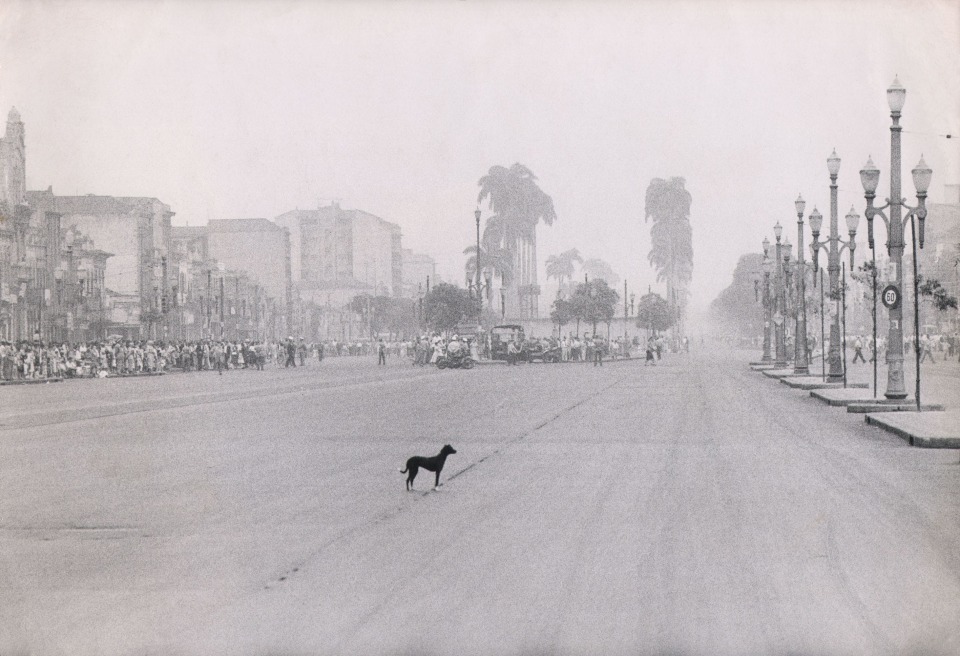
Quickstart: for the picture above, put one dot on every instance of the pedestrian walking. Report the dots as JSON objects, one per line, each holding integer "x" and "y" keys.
{"x": 597, "y": 352}
{"x": 381, "y": 353}
{"x": 858, "y": 351}
{"x": 512, "y": 352}
{"x": 291, "y": 354}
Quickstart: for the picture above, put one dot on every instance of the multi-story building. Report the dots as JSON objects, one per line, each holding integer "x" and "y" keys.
{"x": 262, "y": 250}
{"x": 138, "y": 275}
{"x": 52, "y": 280}
{"x": 214, "y": 301}
{"x": 336, "y": 254}
{"x": 419, "y": 271}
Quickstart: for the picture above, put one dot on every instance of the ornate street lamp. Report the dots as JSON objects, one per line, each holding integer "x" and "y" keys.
{"x": 479, "y": 293}
{"x": 779, "y": 318}
{"x": 895, "y": 223}
{"x": 801, "y": 358}
{"x": 767, "y": 267}
{"x": 834, "y": 245}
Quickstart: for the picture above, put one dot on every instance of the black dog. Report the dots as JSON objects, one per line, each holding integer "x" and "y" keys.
{"x": 434, "y": 464}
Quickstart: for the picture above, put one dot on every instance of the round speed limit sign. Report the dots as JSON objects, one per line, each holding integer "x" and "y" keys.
{"x": 891, "y": 297}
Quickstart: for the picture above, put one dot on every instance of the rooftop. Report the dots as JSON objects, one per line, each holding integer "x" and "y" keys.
{"x": 335, "y": 212}
{"x": 92, "y": 204}
{"x": 242, "y": 225}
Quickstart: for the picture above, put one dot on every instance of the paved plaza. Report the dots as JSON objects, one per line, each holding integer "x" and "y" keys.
{"x": 695, "y": 507}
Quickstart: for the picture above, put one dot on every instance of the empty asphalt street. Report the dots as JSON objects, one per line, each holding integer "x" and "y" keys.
{"x": 695, "y": 507}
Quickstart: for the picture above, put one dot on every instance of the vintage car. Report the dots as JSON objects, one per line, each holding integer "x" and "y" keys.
{"x": 541, "y": 351}
{"x": 500, "y": 336}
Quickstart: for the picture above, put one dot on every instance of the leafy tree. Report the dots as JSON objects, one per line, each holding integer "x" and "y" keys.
{"x": 400, "y": 317}
{"x": 594, "y": 302}
{"x": 935, "y": 291}
{"x": 668, "y": 204}
{"x": 654, "y": 313}
{"x": 739, "y": 307}
{"x": 385, "y": 313}
{"x": 446, "y": 306}
{"x": 562, "y": 313}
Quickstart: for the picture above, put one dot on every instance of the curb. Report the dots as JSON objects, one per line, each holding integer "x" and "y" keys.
{"x": 894, "y": 407}
{"x": 31, "y": 381}
{"x": 914, "y": 437}
{"x": 818, "y": 384}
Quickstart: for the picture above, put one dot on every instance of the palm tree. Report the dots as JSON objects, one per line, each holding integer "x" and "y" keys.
{"x": 561, "y": 266}
{"x": 518, "y": 205}
{"x": 671, "y": 253}
{"x": 494, "y": 260}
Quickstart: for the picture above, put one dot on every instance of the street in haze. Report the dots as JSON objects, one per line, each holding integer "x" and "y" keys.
{"x": 694, "y": 507}
{"x": 617, "y": 262}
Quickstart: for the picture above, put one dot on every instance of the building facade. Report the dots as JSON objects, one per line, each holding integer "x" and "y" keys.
{"x": 138, "y": 276}
{"x": 336, "y": 254}
{"x": 419, "y": 272}
{"x": 52, "y": 278}
{"x": 216, "y": 301}
{"x": 261, "y": 249}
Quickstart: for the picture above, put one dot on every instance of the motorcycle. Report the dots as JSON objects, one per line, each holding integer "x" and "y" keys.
{"x": 459, "y": 361}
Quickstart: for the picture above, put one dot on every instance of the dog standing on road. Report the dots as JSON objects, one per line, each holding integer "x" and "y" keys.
{"x": 434, "y": 464}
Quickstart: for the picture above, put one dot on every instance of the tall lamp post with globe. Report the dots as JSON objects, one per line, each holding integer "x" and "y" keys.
{"x": 801, "y": 359}
{"x": 896, "y": 224}
{"x": 767, "y": 267}
{"x": 779, "y": 317}
{"x": 834, "y": 244}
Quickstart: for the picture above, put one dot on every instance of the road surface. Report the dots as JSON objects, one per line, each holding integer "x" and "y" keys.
{"x": 694, "y": 507}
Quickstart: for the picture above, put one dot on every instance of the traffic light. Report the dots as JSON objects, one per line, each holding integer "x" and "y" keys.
{"x": 163, "y": 304}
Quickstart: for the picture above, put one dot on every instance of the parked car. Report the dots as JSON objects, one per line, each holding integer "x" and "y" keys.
{"x": 542, "y": 352}
{"x": 500, "y": 336}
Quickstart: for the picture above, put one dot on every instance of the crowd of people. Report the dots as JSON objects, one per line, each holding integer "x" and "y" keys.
{"x": 862, "y": 349}
{"x": 36, "y": 360}
{"x": 942, "y": 347}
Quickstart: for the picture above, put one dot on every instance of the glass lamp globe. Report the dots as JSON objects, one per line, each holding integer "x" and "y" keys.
{"x": 833, "y": 163}
{"x": 869, "y": 176}
{"x": 816, "y": 221}
{"x": 800, "y": 204}
{"x": 921, "y": 176}
{"x": 896, "y": 96}
{"x": 853, "y": 219}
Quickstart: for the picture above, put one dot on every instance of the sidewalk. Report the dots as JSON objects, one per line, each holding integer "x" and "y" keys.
{"x": 933, "y": 427}
{"x": 931, "y": 430}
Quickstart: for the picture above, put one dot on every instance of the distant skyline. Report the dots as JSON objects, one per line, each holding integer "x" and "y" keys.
{"x": 250, "y": 109}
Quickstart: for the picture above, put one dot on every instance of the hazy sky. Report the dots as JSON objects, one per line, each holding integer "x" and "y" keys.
{"x": 249, "y": 109}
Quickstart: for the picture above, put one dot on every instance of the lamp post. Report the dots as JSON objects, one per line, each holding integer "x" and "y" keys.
{"x": 801, "y": 359}
{"x": 778, "y": 318}
{"x": 767, "y": 301}
{"x": 789, "y": 307}
{"x": 895, "y": 223}
{"x": 834, "y": 245}
{"x": 479, "y": 292}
